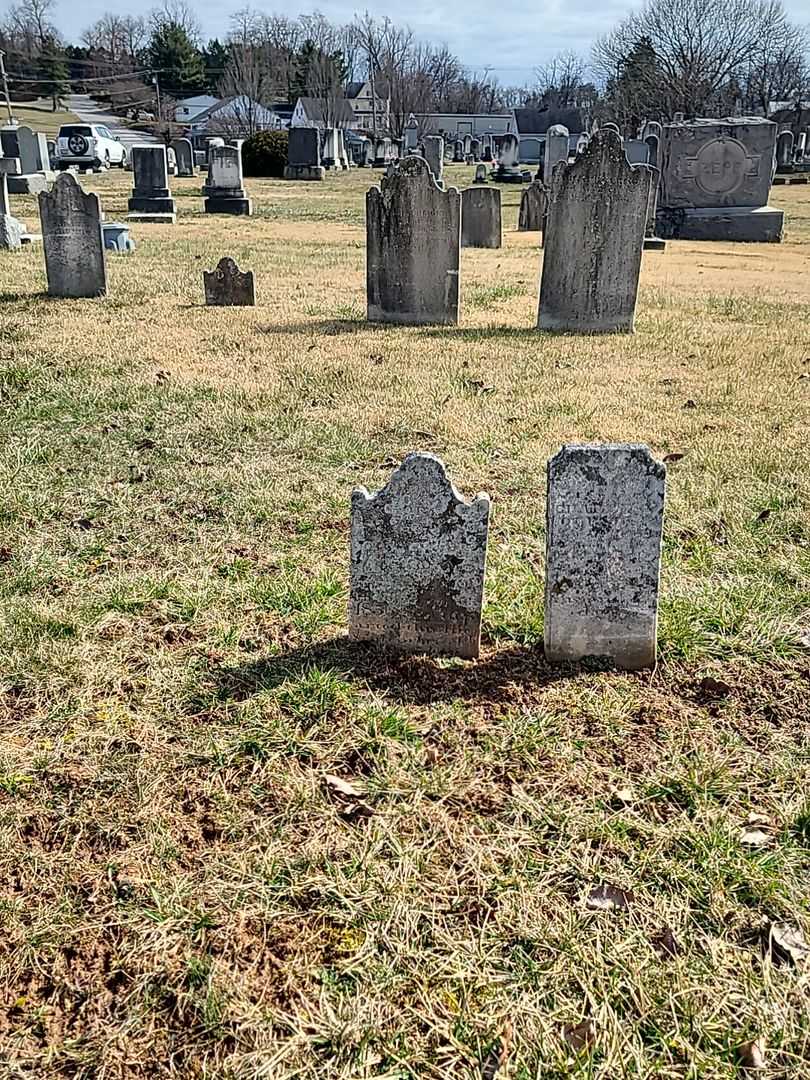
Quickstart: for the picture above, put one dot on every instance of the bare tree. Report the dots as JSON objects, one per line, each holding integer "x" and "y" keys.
{"x": 180, "y": 13}
{"x": 29, "y": 25}
{"x": 559, "y": 81}
{"x": 249, "y": 82}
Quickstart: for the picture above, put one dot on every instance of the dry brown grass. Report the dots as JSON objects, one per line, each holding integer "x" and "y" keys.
{"x": 181, "y": 894}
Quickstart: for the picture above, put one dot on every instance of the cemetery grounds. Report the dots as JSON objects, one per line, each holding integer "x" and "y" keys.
{"x": 185, "y": 888}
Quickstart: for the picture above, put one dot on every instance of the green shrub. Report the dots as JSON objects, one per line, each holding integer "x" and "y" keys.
{"x": 265, "y": 153}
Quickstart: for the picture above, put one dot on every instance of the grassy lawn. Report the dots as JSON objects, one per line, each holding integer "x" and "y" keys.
{"x": 183, "y": 892}
{"x": 41, "y": 117}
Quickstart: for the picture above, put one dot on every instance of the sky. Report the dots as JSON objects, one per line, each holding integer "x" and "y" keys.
{"x": 507, "y": 37}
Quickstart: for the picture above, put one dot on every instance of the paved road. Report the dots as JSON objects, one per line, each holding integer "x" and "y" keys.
{"x": 92, "y": 113}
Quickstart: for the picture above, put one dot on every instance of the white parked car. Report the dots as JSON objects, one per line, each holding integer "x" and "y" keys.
{"x": 88, "y": 146}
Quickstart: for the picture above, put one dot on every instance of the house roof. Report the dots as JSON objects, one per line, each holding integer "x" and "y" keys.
{"x": 538, "y": 121}
{"x": 354, "y": 88}
{"x": 313, "y": 107}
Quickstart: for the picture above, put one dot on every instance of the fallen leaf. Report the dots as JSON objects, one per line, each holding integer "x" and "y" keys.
{"x": 786, "y": 944}
{"x": 754, "y": 838}
{"x": 608, "y": 898}
{"x": 431, "y": 755}
{"x": 751, "y": 1055}
{"x": 670, "y": 459}
{"x": 581, "y": 1036}
{"x": 342, "y": 787}
{"x": 665, "y": 943}
{"x": 498, "y": 1054}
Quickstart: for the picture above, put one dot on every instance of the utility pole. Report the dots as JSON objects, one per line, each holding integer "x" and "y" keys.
{"x": 5, "y": 86}
{"x": 373, "y": 102}
{"x": 157, "y": 93}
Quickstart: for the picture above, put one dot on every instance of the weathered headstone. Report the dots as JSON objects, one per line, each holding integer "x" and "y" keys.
{"x": 467, "y": 144}
{"x": 343, "y": 156}
{"x": 366, "y": 159}
{"x": 508, "y": 171}
{"x": 610, "y": 126}
{"x": 556, "y": 149}
{"x": 784, "y": 151}
{"x": 73, "y": 240}
{"x": 223, "y": 190}
{"x": 9, "y": 140}
{"x": 605, "y": 514}
{"x": 481, "y": 217}
{"x": 715, "y": 181}
{"x": 184, "y": 156}
{"x": 413, "y": 237}
{"x": 434, "y": 156}
{"x": 228, "y": 286}
{"x": 480, "y": 174}
{"x": 34, "y": 155}
{"x": 151, "y": 200}
{"x": 800, "y": 147}
{"x": 458, "y": 152}
{"x": 486, "y": 148}
{"x": 304, "y": 155}
{"x": 411, "y": 134}
{"x": 475, "y": 150}
{"x": 653, "y": 142}
{"x": 593, "y": 240}
{"x": 12, "y": 230}
{"x": 533, "y": 208}
{"x": 638, "y": 153}
{"x": 418, "y": 553}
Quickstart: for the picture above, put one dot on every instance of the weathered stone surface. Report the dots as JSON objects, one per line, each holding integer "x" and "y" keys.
{"x": 480, "y": 174}
{"x": 9, "y": 142}
{"x": 413, "y": 237}
{"x": 418, "y": 553}
{"x": 637, "y": 151}
{"x": 223, "y": 190}
{"x": 184, "y": 156}
{"x": 475, "y": 150}
{"x": 458, "y": 152}
{"x": 784, "y": 151}
{"x": 481, "y": 217}
{"x": 653, "y": 142}
{"x": 411, "y": 133}
{"x": 33, "y": 150}
{"x": 434, "y": 156}
{"x": 742, "y": 224}
{"x": 304, "y": 147}
{"x": 556, "y": 149}
{"x": 73, "y": 240}
{"x": 228, "y": 286}
{"x": 12, "y": 231}
{"x": 593, "y": 240}
{"x": 151, "y": 199}
{"x": 510, "y": 151}
{"x": 533, "y": 207}
{"x": 603, "y": 554}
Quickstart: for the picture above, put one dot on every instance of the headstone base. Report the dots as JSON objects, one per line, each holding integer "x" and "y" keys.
{"x": 153, "y": 219}
{"x": 654, "y": 243}
{"x": 741, "y": 224}
{"x": 30, "y": 183}
{"x": 220, "y": 204}
{"x": 141, "y": 205}
{"x": 304, "y": 172}
{"x": 507, "y": 175}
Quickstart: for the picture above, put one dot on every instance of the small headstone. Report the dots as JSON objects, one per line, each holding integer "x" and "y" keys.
{"x": 434, "y": 156}
{"x": 508, "y": 171}
{"x": 223, "y": 190}
{"x": 533, "y": 207}
{"x": 610, "y": 127}
{"x": 652, "y": 127}
{"x": 800, "y": 147}
{"x": 228, "y": 286}
{"x": 595, "y": 230}
{"x": 480, "y": 174}
{"x": 366, "y": 154}
{"x": 481, "y": 217}
{"x": 184, "y": 156}
{"x": 475, "y": 150}
{"x": 605, "y": 515}
{"x": 486, "y": 148}
{"x": 304, "y": 155}
{"x": 458, "y": 152}
{"x": 652, "y": 140}
{"x": 411, "y": 134}
{"x": 413, "y": 237}
{"x": 151, "y": 200}
{"x": 9, "y": 141}
{"x": 784, "y": 151}
{"x": 467, "y": 144}
{"x": 418, "y": 552}
{"x": 556, "y": 149}
{"x": 72, "y": 239}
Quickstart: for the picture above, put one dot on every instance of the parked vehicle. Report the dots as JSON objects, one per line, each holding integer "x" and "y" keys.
{"x": 89, "y": 146}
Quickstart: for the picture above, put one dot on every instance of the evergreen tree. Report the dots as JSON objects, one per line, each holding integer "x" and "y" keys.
{"x": 176, "y": 60}
{"x": 215, "y": 58}
{"x": 56, "y": 81}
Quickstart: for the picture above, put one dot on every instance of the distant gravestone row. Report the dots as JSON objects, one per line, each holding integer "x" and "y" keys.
{"x": 223, "y": 191}
{"x": 418, "y": 558}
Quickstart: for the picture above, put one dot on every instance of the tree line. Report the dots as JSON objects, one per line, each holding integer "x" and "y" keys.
{"x": 698, "y": 57}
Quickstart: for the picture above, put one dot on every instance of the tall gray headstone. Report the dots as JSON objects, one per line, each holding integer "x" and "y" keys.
{"x": 413, "y": 237}
{"x": 184, "y": 156}
{"x": 223, "y": 190}
{"x": 481, "y": 217}
{"x": 228, "y": 286}
{"x": 33, "y": 150}
{"x": 304, "y": 155}
{"x": 605, "y": 514}
{"x": 508, "y": 171}
{"x": 533, "y": 207}
{"x": 434, "y": 156}
{"x": 73, "y": 240}
{"x": 418, "y": 553}
{"x": 594, "y": 235}
{"x": 556, "y": 149}
{"x": 151, "y": 199}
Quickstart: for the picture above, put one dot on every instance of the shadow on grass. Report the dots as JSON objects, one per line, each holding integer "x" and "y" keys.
{"x": 17, "y": 297}
{"x": 328, "y": 327}
{"x": 402, "y": 678}
{"x": 331, "y": 327}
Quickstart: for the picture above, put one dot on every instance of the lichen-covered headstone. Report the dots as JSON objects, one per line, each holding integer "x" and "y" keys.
{"x": 481, "y": 217}
{"x": 605, "y": 514}
{"x": 418, "y": 552}
{"x": 72, "y": 239}
{"x": 413, "y": 237}
{"x": 593, "y": 241}
{"x": 533, "y": 207}
{"x": 228, "y": 286}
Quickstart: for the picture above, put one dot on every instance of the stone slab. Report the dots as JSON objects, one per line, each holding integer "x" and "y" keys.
{"x": 146, "y": 218}
{"x": 140, "y": 204}
{"x": 228, "y": 205}
{"x": 754, "y": 225}
{"x": 481, "y": 218}
{"x": 605, "y": 514}
{"x": 31, "y": 184}
{"x": 418, "y": 554}
{"x": 533, "y": 207}
{"x": 304, "y": 172}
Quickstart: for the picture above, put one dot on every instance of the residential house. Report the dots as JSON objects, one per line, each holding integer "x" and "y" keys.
{"x": 309, "y": 112}
{"x": 531, "y": 125}
{"x": 186, "y": 109}
{"x": 240, "y": 116}
{"x": 372, "y": 112}
{"x": 457, "y": 125}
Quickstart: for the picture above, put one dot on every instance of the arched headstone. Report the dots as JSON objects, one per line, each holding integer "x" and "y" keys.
{"x": 556, "y": 149}
{"x": 184, "y": 156}
{"x": 413, "y": 237}
{"x": 73, "y": 240}
{"x": 596, "y": 222}
{"x": 533, "y": 207}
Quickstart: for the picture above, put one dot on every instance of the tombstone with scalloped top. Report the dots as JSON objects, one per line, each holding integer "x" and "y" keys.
{"x": 605, "y": 514}
{"x": 228, "y": 286}
{"x": 418, "y": 553}
{"x": 73, "y": 240}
